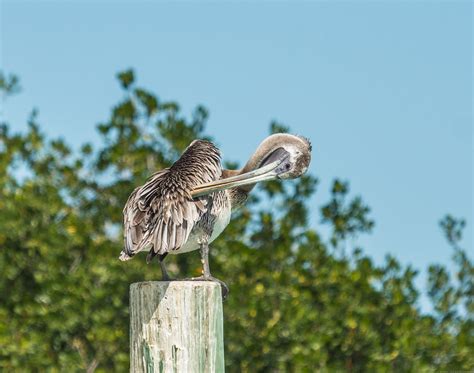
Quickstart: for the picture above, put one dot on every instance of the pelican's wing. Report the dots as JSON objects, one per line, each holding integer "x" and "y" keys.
{"x": 161, "y": 213}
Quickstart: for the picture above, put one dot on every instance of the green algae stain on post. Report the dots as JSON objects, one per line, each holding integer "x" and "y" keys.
{"x": 176, "y": 327}
{"x": 148, "y": 359}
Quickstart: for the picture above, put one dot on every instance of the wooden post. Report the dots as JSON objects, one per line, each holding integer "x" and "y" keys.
{"x": 176, "y": 326}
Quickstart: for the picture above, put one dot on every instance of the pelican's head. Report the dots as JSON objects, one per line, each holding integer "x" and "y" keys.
{"x": 279, "y": 156}
{"x": 290, "y": 158}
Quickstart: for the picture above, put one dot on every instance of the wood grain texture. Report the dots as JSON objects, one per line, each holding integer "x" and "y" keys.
{"x": 176, "y": 326}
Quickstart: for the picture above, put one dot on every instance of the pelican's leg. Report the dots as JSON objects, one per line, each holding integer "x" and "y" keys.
{"x": 206, "y": 272}
{"x": 164, "y": 272}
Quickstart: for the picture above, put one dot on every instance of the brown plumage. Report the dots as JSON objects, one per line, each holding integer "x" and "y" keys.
{"x": 162, "y": 213}
{"x": 186, "y": 206}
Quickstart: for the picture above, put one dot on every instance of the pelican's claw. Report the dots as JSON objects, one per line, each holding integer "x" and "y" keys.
{"x": 224, "y": 287}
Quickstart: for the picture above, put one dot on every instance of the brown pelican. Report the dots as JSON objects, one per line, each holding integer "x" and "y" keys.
{"x": 186, "y": 206}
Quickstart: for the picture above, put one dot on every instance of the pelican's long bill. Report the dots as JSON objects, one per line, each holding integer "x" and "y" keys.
{"x": 260, "y": 174}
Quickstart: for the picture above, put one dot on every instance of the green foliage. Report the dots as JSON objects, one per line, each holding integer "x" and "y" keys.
{"x": 9, "y": 84}
{"x": 345, "y": 220}
{"x": 294, "y": 305}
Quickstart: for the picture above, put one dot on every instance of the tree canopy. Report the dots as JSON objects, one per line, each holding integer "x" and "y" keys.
{"x": 297, "y": 302}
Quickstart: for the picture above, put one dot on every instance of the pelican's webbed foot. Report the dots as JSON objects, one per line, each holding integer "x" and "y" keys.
{"x": 224, "y": 287}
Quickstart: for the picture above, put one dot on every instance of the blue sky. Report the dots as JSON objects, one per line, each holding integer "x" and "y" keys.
{"x": 383, "y": 89}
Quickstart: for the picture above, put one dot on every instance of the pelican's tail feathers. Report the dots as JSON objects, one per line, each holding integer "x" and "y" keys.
{"x": 124, "y": 256}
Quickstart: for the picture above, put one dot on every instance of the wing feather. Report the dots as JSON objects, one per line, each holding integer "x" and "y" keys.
{"x": 161, "y": 214}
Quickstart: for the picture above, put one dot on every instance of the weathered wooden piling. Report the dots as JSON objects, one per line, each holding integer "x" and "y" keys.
{"x": 176, "y": 326}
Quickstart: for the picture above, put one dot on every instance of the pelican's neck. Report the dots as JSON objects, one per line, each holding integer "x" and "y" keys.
{"x": 257, "y": 158}
{"x": 269, "y": 145}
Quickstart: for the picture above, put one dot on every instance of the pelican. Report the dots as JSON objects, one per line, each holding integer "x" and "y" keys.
{"x": 187, "y": 206}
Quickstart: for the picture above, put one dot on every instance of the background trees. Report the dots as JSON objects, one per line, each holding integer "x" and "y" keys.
{"x": 298, "y": 301}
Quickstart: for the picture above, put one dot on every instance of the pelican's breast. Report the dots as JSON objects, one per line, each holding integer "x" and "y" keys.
{"x": 222, "y": 220}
